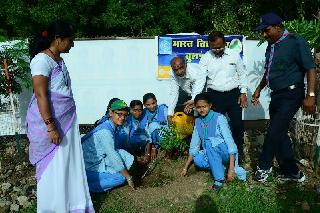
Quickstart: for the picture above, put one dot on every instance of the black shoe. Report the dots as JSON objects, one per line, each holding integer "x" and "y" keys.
{"x": 299, "y": 177}
{"x": 216, "y": 189}
{"x": 261, "y": 175}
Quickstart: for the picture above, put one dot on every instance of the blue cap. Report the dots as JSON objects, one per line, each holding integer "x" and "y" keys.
{"x": 267, "y": 20}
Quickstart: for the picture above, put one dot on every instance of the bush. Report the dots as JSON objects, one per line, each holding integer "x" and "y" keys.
{"x": 172, "y": 141}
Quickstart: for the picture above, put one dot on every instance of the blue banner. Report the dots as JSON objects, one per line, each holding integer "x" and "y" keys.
{"x": 191, "y": 47}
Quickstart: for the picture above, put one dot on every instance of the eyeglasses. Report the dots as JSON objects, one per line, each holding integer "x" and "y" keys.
{"x": 119, "y": 114}
{"x": 175, "y": 69}
{"x": 217, "y": 49}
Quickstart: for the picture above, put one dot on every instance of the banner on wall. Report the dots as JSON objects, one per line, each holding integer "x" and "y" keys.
{"x": 189, "y": 46}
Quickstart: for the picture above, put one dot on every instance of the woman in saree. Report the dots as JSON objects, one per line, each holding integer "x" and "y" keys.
{"x": 52, "y": 126}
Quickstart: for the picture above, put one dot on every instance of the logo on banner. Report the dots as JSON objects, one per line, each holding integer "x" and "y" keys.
{"x": 165, "y": 45}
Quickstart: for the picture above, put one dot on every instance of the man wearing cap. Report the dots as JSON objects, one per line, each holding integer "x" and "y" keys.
{"x": 186, "y": 81}
{"x": 288, "y": 59}
{"x": 226, "y": 84}
{"x": 106, "y": 166}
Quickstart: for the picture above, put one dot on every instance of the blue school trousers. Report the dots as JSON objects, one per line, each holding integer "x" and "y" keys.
{"x": 214, "y": 159}
{"x": 104, "y": 181}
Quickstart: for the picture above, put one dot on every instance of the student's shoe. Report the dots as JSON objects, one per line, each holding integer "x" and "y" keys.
{"x": 299, "y": 177}
{"x": 261, "y": 175}
{"x": 216, "y": 188}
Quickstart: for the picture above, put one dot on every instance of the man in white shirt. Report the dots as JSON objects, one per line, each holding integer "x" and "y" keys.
{"x": 226, "y": 83}
{"x": 186, "y": 81}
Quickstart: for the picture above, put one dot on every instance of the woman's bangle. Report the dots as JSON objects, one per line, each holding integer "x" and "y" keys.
{"x": 148, "y": 154}
{"x": 49, "y": 121}
{"x": 129, "y": 178}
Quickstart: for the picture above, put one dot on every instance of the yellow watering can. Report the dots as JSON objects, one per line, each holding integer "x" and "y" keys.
{"x": 183, "y": 123}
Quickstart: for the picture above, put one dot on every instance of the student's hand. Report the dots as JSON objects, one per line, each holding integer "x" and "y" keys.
{"x": 309, "y": 104}
{"x": 255, "y": 97}
{"x": 190, "y": 102}
{"x": 131, "y": 184}
{"x": 230, "y": 175}
{"x": 146, "y": 158}
{"x": 170, "y": 119}
{"x": 183, "y": 172}
{"x": 189, "y": 105}
{"x": 153, "y": 153}
{"x": 54, "y": 135}
{"x": 242, "y": 100}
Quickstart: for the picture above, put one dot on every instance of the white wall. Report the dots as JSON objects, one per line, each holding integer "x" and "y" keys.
{"x": 103, "y": 69}
{"x": 127, "y": 69}
{"x": 254, "y": 60}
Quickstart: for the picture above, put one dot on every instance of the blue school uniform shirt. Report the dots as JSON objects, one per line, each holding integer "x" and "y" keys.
{"x": 100, "y": 153}
{"x": 135, "y": 131}
{"x": 152, "y": 121}
{"x": 221, "y": 134}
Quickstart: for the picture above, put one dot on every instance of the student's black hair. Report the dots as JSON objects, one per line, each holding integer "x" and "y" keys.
{"x": 42, "y": 40}
{"x": 148, "y": 96}
{"x": 110, "y": 103}
{"x": 202, "y": 97}
{"x": 214, "y": 35}
{"x": 134, "y": 103}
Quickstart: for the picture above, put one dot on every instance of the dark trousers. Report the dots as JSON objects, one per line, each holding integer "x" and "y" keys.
{"x": 183, "y": 97}
{"x": 227, "y": 103}
{"x": 283, "y": 107}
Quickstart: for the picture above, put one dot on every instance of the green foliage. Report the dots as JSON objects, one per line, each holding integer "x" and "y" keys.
{"x": 310, "y": 30}
{"x": 138, "y": 18}
{"x": 16, "y": 54}
{"x": 172, "y": 141}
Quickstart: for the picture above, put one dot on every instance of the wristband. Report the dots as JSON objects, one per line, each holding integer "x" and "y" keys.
{"x": 129, "y": 178}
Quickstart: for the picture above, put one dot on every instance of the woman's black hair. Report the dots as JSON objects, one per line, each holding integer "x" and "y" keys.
{"x": 42, "y": 40}
{"x": 110, "y": 103}
{"x": 134, "y": 103}
{"x": 148, "y": 96}
{"x": 202, "y": 97}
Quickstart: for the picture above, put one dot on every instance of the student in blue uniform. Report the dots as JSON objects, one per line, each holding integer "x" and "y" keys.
{"x": 139, "y": 138}
{"x": 106, "y": 116}
{"x": 106, "y": 166}
{"x": 154, "y": 118}
{"x": 212, "y": 132}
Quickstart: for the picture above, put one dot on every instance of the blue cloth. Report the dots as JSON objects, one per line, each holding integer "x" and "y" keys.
{"x": 154, "y": 121}
{"x": 218, "y": 132}
{"x": 289, "y": 67}
{"x": 103, "y": 181}
{"x": 132, "y": 137}
{"x": 103, "y": 119}
{"x": 214, "y": 159}
{"x": 278, "y": 144}
{"x": 100, "y": 153}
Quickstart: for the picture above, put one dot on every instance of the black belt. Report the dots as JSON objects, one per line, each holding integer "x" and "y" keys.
{"x": 233, "y": 90}
{"x": 288, "y": 88}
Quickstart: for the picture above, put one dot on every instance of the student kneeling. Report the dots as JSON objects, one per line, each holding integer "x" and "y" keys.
{"x": 213, "y": 133}
{"x": 106, "y": 166}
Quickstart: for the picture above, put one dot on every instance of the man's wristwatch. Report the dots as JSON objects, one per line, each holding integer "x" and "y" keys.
{"x": 311, "y": 94}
